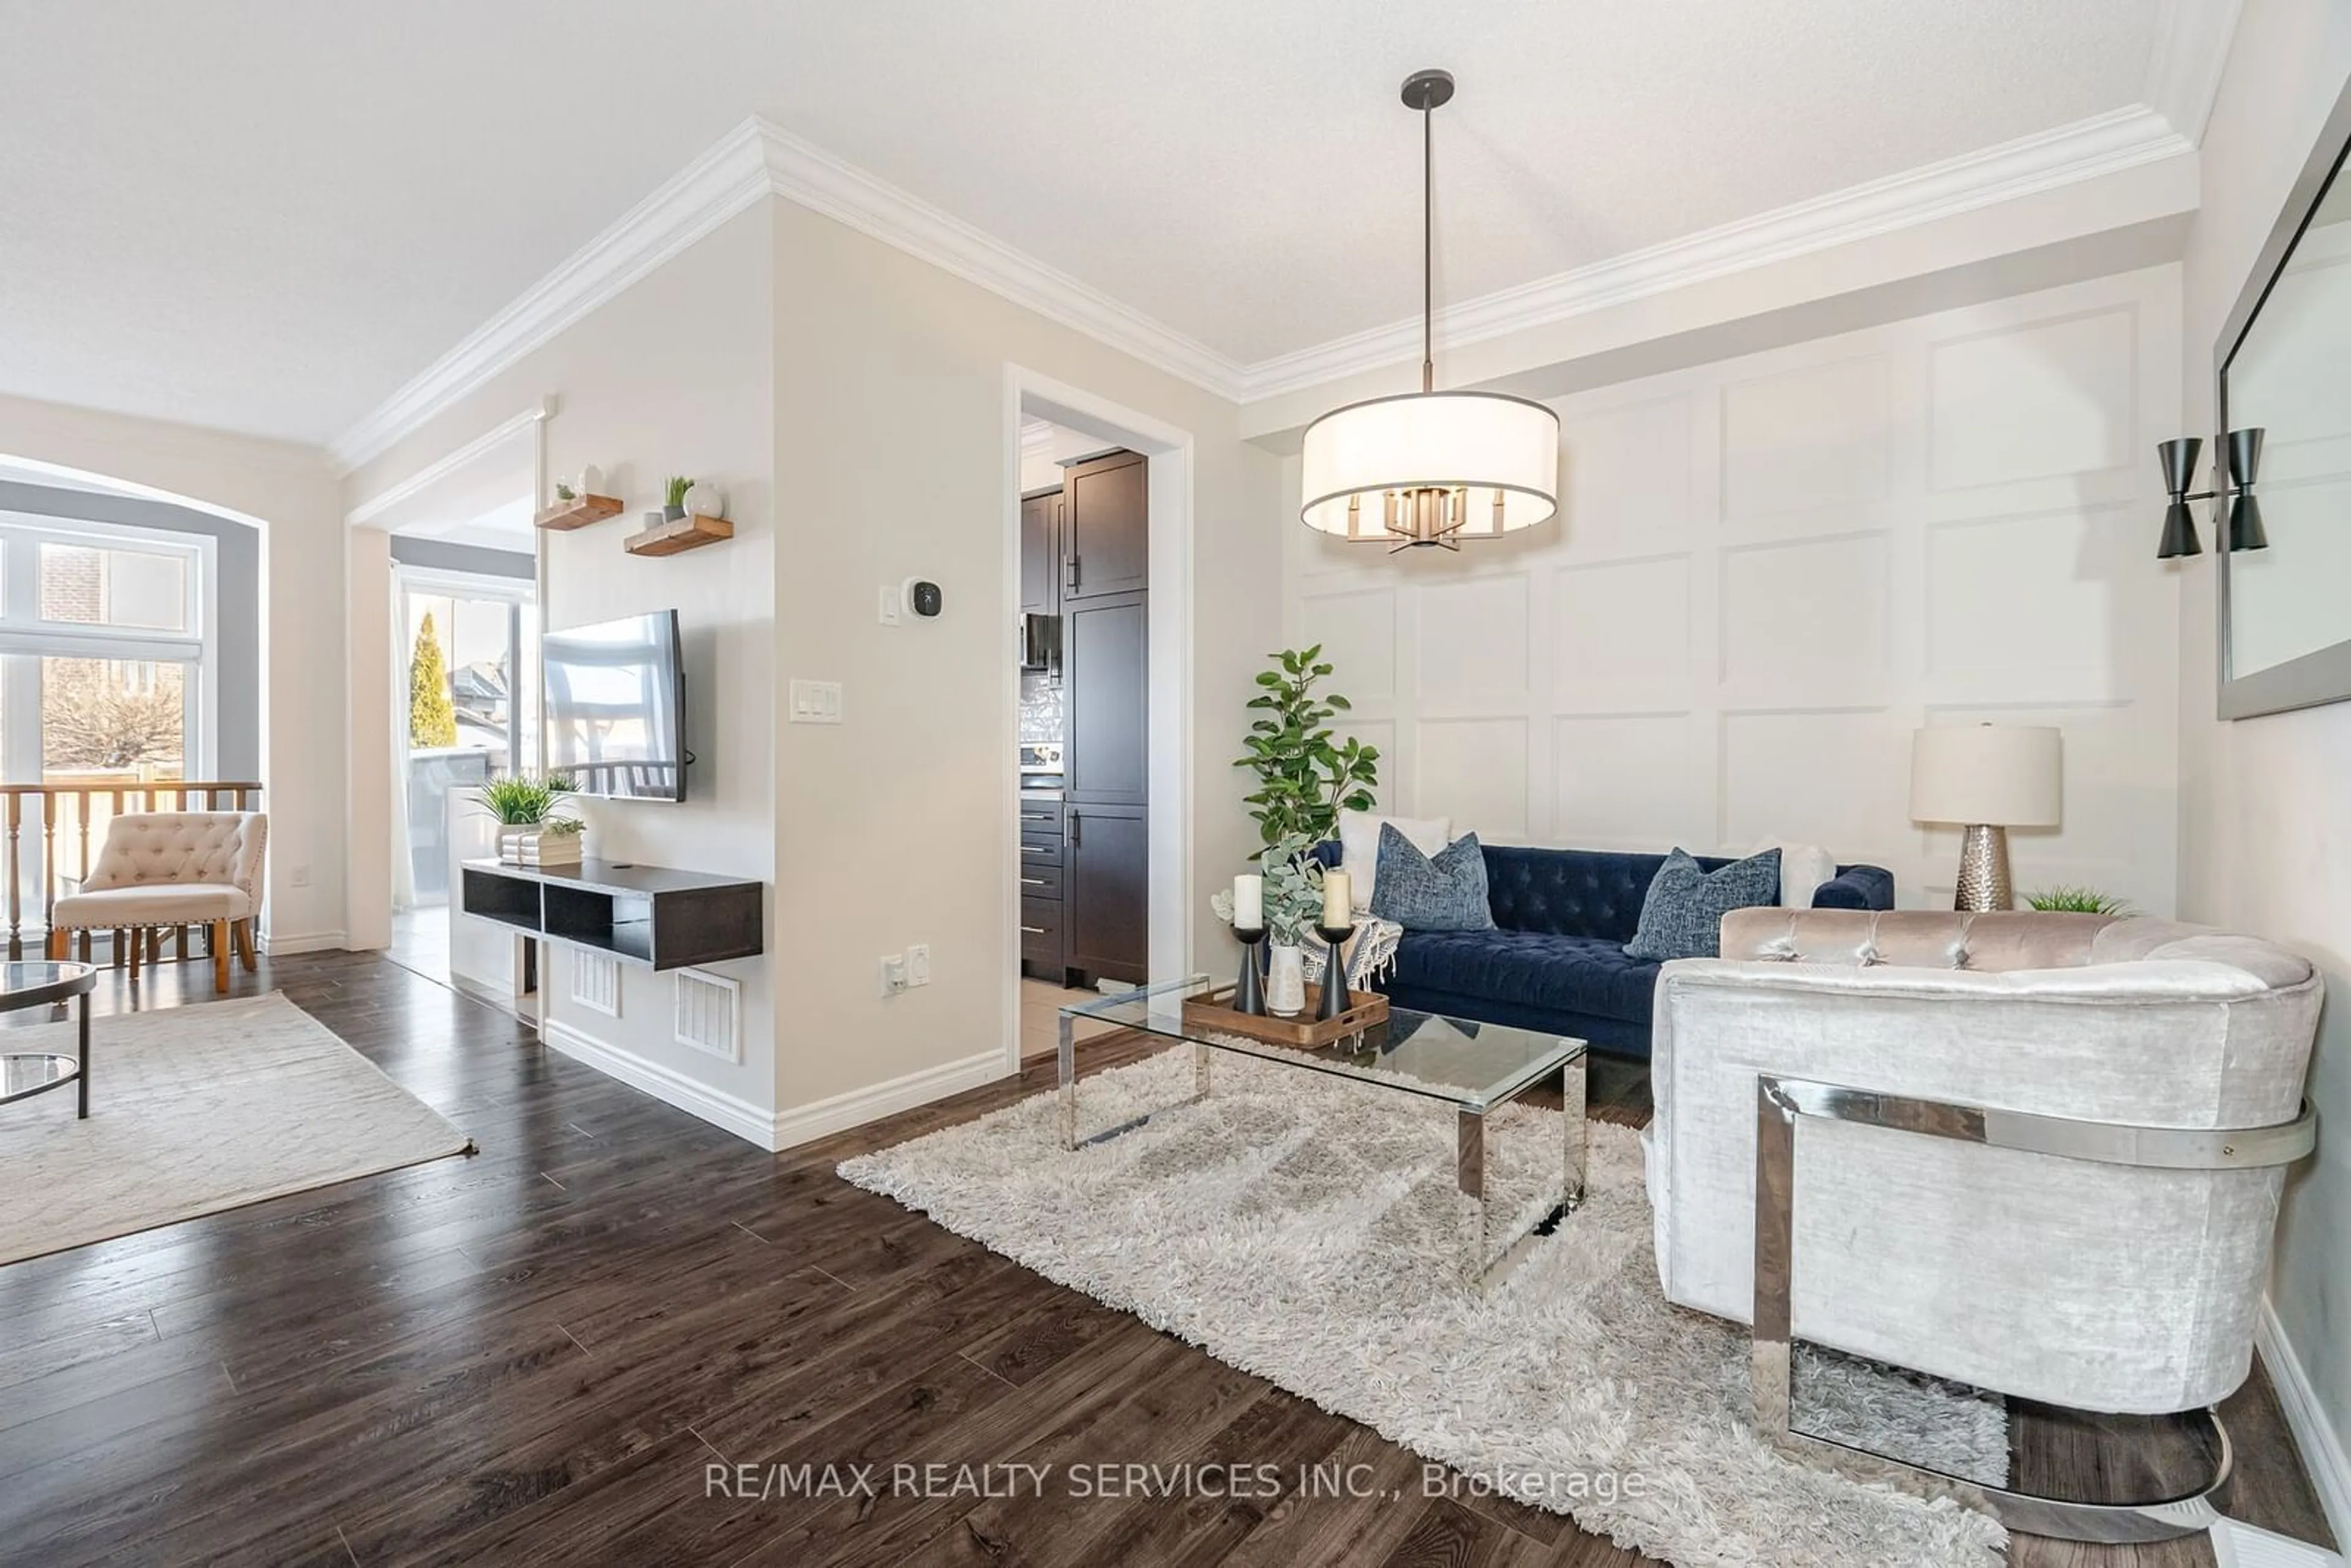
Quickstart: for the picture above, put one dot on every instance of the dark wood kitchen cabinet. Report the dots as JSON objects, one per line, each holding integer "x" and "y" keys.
{"x": 1106, "y": 892}
{"x": 1106, "y": 676}
{"x": 1040, "y": 552}
{"x": 1106, "y": 526}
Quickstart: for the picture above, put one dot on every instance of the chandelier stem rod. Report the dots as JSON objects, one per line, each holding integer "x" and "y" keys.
{"x": 1428, "y": 247}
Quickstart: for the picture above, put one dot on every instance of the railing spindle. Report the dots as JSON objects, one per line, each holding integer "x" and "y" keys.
{"x": 15, "y": 882}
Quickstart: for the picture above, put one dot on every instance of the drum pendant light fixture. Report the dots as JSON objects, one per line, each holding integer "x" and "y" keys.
{"x": 1430, "y": 467}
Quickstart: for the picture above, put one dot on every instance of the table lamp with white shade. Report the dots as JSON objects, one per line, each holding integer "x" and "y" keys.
{"x": 1986, "y": 779}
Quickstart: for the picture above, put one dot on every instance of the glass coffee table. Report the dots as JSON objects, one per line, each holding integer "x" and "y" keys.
{"x": 1475, "y": 1068}
{"x": 24, "y": 1073}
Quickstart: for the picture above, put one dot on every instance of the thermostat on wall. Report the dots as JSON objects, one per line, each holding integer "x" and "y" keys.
{"x": 922, "y": 598}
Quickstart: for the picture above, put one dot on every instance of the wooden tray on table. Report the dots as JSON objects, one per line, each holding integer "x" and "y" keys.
{"x": 1304, "y": 1032}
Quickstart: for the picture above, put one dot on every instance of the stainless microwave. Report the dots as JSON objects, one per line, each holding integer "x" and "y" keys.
{"x": 1041, "y": 642}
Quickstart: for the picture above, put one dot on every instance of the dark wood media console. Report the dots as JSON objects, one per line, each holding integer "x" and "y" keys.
{"x": 644, "y": 913}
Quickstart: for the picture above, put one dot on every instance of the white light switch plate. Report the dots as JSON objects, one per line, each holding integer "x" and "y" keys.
{"x": 890, "y": 598}
{"x": 815, "y": 702}
{"x": 918, "y": 964}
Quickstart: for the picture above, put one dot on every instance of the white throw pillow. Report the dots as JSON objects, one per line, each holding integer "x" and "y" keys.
{"x": 1359, "y": 847}
{"x": 1802, "y": 869}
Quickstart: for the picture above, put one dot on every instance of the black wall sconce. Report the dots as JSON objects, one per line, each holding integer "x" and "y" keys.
{"x": 2178, "y": 459}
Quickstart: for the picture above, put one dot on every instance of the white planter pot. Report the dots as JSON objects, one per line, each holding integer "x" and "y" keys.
{"x": 1285, "y": 982}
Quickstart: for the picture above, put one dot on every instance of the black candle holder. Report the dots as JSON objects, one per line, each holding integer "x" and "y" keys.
{"x": 1249, "y": 995}
{"x": 1335, "y": 999}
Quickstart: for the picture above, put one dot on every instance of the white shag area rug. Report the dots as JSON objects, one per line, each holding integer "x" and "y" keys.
{"x": 1301, "y": 1227}
{"x": 194, "y": 1110}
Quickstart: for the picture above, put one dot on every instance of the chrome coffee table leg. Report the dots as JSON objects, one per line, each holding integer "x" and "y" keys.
{"x": 1470, "y": 1178}
{"x": 1066, "y": 1056}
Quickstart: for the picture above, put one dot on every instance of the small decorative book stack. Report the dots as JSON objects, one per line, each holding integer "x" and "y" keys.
{"x": 533, "y": 845}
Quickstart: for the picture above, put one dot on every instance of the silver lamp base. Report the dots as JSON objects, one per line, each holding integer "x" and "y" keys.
{"x": 1983, "y": 870}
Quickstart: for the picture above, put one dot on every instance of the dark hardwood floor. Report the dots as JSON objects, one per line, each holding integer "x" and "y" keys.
{"x": 536, "y": 1355}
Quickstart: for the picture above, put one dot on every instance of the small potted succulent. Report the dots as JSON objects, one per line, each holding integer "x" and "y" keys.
{"x": 674, "y": 497}
{"x": 524, "y": 806}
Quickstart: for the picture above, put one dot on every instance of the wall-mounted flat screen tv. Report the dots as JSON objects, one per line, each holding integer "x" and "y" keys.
{"x": 615, "y": 707}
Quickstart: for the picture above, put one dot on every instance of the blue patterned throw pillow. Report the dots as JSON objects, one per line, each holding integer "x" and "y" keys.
{"x": 1682, "y": 915}
{"x": 1446, "y": 891}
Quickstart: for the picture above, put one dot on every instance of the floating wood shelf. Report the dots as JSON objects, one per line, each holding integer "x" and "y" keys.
{"x": 690, "y": 532}
{"x": 579, "y": 512}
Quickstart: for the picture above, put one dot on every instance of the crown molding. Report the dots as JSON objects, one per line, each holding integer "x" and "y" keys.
{"x": 433, "y": 473}
{"x": 723, "y": 182}
{"x": 2085, "y": 150}
{"x": 805, "y": 173}
{"x": 757, "y": 160}
{"x": 2183, "y": 69}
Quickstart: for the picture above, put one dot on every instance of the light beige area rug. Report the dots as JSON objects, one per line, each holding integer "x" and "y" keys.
{"x": 194, "y": 1110}
{"x": 1303, "y": 1229}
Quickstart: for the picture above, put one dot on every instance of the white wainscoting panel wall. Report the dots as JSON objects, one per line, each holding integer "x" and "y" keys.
{"x": 1770, "y": 571}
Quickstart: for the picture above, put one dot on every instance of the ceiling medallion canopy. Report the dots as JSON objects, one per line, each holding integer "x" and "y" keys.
{"x": 1430, "y": 467}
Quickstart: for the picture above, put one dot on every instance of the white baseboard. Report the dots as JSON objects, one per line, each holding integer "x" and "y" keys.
{"x": 751, "y": 1123}
{"x": 2313, "y": 1434}
{"x": 2240, "y": 1545}
{"x": 311, "y": 942}
{"x": 841, "y": 1111}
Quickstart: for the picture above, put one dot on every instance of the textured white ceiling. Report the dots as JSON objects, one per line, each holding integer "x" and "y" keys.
{"x": 267, "y": 215}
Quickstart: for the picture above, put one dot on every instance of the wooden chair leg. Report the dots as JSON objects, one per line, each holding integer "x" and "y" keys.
{"x": 121, "y": 954}
{"x": 220, "y": 956}
{"x": 244, "y": 930}
{"x": 138, "y": 942}
{"x": 85, "y": 944}
{"x": 57, "y": 943}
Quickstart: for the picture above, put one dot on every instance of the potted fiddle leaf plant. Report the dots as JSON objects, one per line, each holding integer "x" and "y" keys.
{"x": 1305, "y": 774}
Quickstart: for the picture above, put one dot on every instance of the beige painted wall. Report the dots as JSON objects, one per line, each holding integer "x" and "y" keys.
{"x": 2262, "y": 844}
{"x": 1770, "y": 571}
{"x": 673, "y": 376}
{"x": 854, "y": 403}
{"x": 892, "y": 447}
{"x": 291, "y": 491}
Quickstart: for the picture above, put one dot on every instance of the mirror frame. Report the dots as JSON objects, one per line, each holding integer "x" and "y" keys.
{"x": 2322, "y": 675}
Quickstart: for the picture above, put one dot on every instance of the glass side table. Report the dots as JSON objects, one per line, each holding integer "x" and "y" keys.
{"x": 24, "y": 1073}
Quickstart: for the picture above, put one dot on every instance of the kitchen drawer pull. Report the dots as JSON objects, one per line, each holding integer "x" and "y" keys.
{"x": 1032, "y": 931}
{"x": 1033, "y": 882}
{"x": 1036, "y": 849}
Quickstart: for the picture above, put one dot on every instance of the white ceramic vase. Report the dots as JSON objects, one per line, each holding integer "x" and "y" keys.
{"x": 591, "y": 480}
{"x": 705, "y": 501}
{"x": 1285, "y": 981}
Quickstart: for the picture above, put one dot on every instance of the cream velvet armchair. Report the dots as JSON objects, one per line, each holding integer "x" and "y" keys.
{"x": 162, "y": 870}
{"x": 2039, "y": 1154}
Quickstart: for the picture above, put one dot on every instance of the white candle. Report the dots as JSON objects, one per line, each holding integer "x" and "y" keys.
{"x": 1337, "y": 914}
{"x": 1249, "y": 902}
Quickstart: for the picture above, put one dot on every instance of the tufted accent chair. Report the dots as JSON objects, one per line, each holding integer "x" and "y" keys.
{"x": 166, "y": 871}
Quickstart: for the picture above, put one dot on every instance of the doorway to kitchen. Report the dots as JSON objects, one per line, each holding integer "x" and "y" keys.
{"x": 1099, "y": 512}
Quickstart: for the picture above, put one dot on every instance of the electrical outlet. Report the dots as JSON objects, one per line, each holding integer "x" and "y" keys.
{"x": 299, "y": 875}
{"x": 894, "y": 974}
{"x": 918, "y": 964}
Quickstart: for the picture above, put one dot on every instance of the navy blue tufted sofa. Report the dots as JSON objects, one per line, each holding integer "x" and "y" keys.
{"x": 1555, "y": 960}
